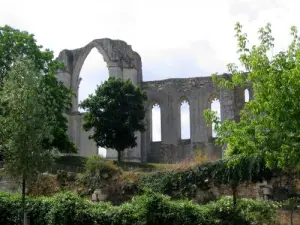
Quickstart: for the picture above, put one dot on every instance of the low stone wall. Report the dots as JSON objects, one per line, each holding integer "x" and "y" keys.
{"x": 275, "y": 189}
{"x": 8, "y": 185}
{"x": 285, "y": 217}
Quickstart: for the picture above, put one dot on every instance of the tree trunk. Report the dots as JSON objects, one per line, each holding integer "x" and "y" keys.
{"x": 119, "y": 156}
{"x": 234, "y": 193}
{"x": 23, "y": 200}
{"x": 291, "y": 217}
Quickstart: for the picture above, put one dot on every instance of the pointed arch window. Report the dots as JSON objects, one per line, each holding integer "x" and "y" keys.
{"x": 185, "y": 120}
{"x": 156, "y": 122}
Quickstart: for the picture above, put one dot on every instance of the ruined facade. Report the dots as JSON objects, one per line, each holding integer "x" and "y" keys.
{"x": 123, "y": 62}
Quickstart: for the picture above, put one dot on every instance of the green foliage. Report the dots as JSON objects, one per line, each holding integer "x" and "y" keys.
{"x": 269, "y": 124}
{"x": 16, "y": 45}
{"x": 96, "y": 165}
{"x": 65, "y": 210}
{"x": 38, "y": 210}
{"x": 184, "y": 183}
{"x": 10, "y": 208}
{"x": 97, "y": 171}
{"x": 26, "y": 123}
{"x": 57, "y": 100}
{"x": 292, "y": 203}
{"x": 248, "y": 211}
{"x": 20, "y": 45}
{"x": 115, "y": 113}
{"x": 63, "y": 177}
{"x": 150, "y": 208}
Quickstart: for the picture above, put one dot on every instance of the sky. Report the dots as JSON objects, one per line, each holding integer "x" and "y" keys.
{"x": 175, "y": 38}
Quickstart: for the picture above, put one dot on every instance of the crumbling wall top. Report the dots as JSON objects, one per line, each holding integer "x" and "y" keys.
{"x": 114, "y": 52}
{"x": 181, "y": 84}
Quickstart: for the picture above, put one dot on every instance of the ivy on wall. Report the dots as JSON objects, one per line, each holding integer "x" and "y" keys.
{"x": 180, "y": 183}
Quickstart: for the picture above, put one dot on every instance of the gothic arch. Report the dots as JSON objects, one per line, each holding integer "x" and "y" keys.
{"x": 155, "y": 104}
{"x": 184, "y": 106}
{"x": 211, "y": 97}
{"x": 121, "y": 61}
{"x": 82, "y": 54}
{"x": 183, "y": 99}
{"x": 215, "y": 96}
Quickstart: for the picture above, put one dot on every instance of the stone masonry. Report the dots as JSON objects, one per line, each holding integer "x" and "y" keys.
{"x": 123, "y": 62}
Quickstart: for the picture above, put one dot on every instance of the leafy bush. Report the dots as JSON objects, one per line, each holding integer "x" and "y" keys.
{"x": 247, "y": 212}
{"x": 10, "y": 208}
{"x": 63, "y": 177}
{"x": 38, "y": 209}
{"x": 148, "y": 209}
{"x": 68, "y": 209}
{"x": 97, "y": 170}
{"x": 96, "y": 165}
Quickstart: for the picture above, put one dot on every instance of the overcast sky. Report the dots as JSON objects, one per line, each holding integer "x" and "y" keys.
{"x": 175, "y": 38}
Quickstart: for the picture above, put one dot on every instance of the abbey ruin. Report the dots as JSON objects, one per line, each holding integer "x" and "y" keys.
{"x": 123, "y": 62}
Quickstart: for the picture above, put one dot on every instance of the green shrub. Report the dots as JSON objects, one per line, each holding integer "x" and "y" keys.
{"x": 148, "y": 209}
{"x": 247, "y": 212}
{"x": 96, "y": 165}
{"x": 10, "y": 208}
{"x": 158, "y": 209}
{"x": 38, "y": 209}
{"x": 69, "y": 209}
{"x": 63, "y": 177}
{"x": 97, "y": 170}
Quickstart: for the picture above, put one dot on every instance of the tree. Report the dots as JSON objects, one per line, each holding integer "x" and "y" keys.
{"x": 269, "y": 124}
{"x": 25, "y": 124}
{"x": 16, "y": 44}
{"x": 115, "y": 113}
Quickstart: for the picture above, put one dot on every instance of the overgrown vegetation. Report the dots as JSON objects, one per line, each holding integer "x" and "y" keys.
{"x": 98, "y": 171}
{"x": 262, "y": 145}
{"x": 177, "y": 182}
{"x": 150, "y": 208}
{"x": 181, "y": 183}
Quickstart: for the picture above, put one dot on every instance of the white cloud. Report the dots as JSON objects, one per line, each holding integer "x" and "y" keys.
{"x": 175, "y": 38}
{"x": 253, "y": 8}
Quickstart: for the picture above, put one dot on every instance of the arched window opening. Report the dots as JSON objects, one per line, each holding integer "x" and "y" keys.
{"x": 215, "y": 106}
{"x": 93, "y": 73}
{"x": 185, "y": 120}
{"x": 246, "y": 95}
{"x": 156, "y": 123}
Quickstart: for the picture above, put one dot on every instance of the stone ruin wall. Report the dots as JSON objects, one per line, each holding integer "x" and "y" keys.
{"x": 124, "y": 63}
{"x": 199, "y": 93}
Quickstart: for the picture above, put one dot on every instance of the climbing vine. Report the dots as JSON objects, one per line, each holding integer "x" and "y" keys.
{"x": 179, "y": 183}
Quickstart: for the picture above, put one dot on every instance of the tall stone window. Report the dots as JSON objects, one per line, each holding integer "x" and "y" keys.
{"x": 156, "y": 122}
{"x": 93, "y": 72}
{"x": 215, "y": 106}
{"x": 185, "y": 120}
{"x": 246, "y": 95}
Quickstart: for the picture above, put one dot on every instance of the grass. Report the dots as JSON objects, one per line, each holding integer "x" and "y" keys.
{"x": 74, "y": 163}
